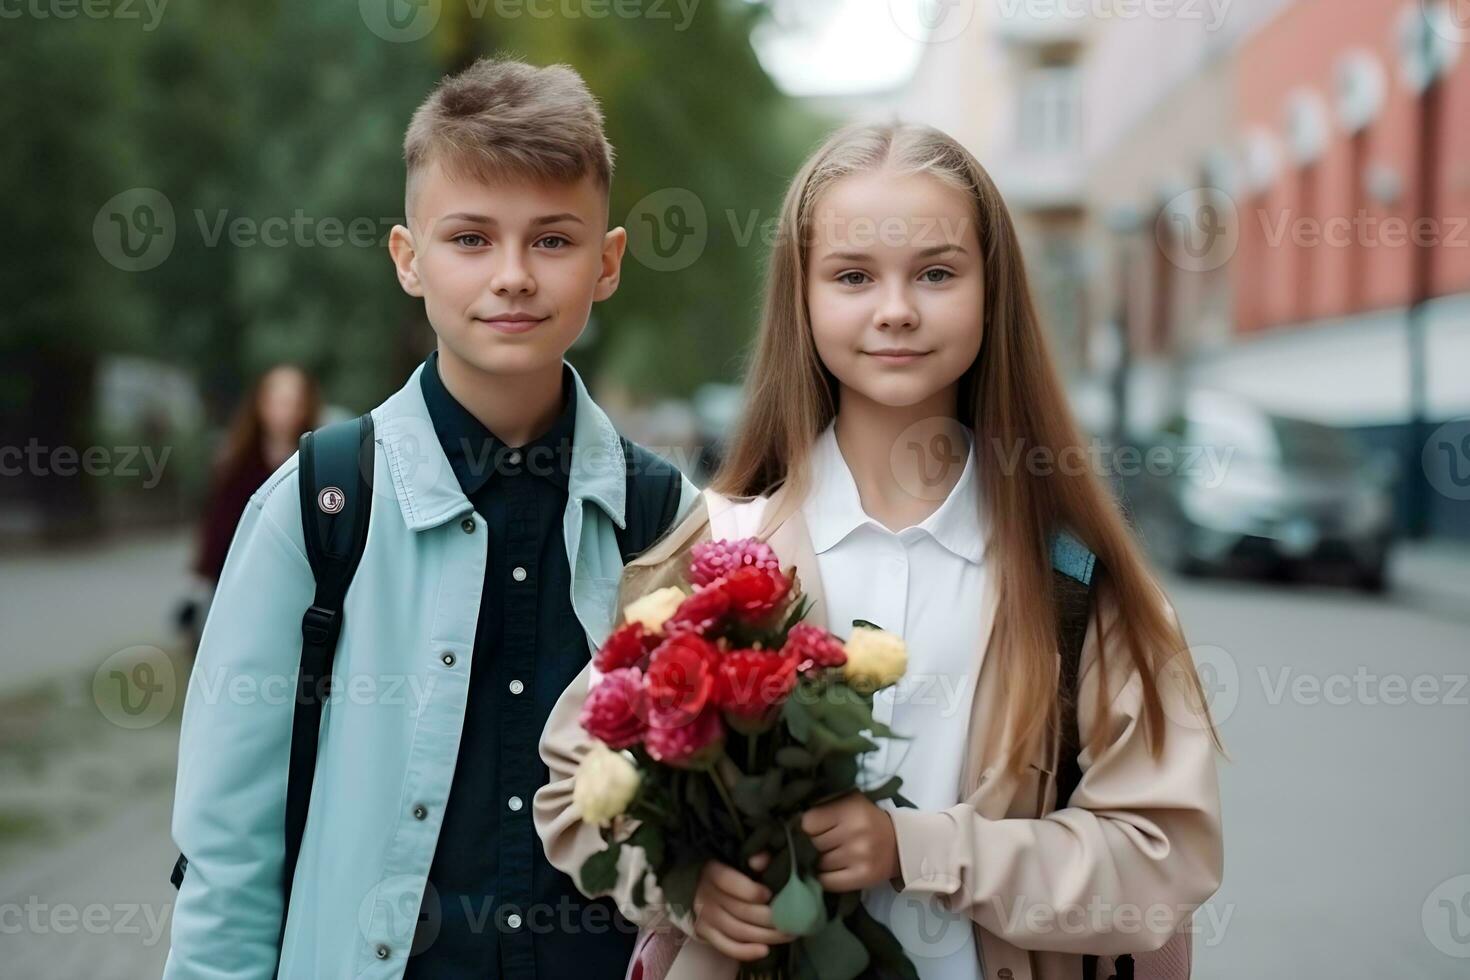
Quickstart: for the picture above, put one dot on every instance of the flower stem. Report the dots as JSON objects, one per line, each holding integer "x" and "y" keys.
{"x": 714, "y": 776}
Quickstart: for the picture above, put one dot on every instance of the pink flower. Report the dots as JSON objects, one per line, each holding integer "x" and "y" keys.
{"x": 712, "y": 560}
{"x": 674, "y": 739}
{"x": 614, "y": 710}
{"x": 813, "y": 648}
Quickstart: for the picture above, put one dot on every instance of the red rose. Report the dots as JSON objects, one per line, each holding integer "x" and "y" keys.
{"x": 701, "y": 612}
{"x": 626, "y": 647}
{"x": 755, "y": 592}
{"x": 751, "y": 682}
{"x": 681, "y": 675}
{"x": 614, "y": 709}
{"x": 813, "y": 648}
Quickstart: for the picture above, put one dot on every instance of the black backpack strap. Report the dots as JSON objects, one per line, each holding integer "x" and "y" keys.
{"x": 335, "y": 478}
{"x": 654, "y": 486}
{"x": 336, "y": 485}
{"x": 1075, "y": 574}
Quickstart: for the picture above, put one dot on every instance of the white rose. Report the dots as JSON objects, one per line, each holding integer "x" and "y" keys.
{"x": 605, "y": 784}
{"x": 653, "y": 609}
{"x": 875, "y": 658}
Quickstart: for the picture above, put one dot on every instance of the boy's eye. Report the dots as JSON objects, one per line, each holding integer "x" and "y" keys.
{"x": 853, "y": 278}
{"x": 936, "y": 275}
{"x": 553, "y": 242}
{"x": 470, "y": 239}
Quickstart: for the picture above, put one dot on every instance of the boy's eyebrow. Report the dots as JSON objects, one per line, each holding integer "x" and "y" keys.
{"x": 485, "y": 219}
{"x": 932, "y": 250}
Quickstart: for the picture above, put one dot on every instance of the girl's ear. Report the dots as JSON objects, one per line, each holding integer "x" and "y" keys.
{"x": 614, "y": 244}
{"x": 405, "y": 255}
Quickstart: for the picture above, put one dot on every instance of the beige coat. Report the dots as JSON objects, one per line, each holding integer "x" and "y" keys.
{"x": 1124, "y": 865}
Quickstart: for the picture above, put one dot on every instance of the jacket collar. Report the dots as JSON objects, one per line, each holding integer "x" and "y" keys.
{"x": 429, "y": 493}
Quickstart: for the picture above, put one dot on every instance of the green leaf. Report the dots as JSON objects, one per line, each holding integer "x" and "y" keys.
{"x": 796, "y": 791}
{"x": 883, "y": 947}
{"x": 794, "y": 757}
{"x": 836, "y": 952}
{"x": 771, "y": 788}
{"x": 679, "y": 884}
{"x": 759, "y": 839}
{"x": 885, "y": 791}
{"x": 600, "y": 871}
{"x": 797, "y": 717}
{"x": 649, "y": 837}
{"x": 798, "y": 909}
{"x": 748, "y": 796}
{"x": 697, "y": 795}
{"x": 864, "y": 622}
{"x": 639, "y": 898}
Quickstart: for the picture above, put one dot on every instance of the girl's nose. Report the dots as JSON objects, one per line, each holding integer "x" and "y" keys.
{"x": 897, "y": 312}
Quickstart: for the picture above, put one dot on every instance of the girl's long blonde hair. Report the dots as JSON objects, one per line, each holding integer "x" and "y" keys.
{"x": 1010, "y": 397}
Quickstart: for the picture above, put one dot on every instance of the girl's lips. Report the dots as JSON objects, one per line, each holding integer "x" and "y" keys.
{"x": 897, "y": 358}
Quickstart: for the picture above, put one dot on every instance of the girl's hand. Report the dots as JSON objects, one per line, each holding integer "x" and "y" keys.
{"x": 856, "y": 840}
{"x": 732, "y": 912}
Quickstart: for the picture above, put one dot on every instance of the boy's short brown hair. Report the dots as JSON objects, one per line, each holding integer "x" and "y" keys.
{"x": 504, "y": 118}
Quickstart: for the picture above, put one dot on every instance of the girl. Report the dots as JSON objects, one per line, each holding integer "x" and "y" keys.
{"x": 907, "y": 446}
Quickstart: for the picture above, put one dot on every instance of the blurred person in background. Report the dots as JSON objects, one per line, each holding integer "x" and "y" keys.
{"x": 283, "y": 403}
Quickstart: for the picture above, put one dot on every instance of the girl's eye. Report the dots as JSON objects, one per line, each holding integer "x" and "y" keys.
{"x": 553, "y": 242}
{"x": 936, "y": 275}
{"x": 853, "y": 278}
{"x": 470, "y": 239}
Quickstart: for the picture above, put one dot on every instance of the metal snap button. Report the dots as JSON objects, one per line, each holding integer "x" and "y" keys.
{"x": 382, "y": 951}
{"x": 448, "y": 659}
{"x": 518, "y": 573}
{"x": 468, "y": 524}
{"x": 420, "y": 812}
{"x": 516, "y": 687}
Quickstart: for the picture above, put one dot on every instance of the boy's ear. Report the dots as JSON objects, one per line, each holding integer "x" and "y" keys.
{"x": 401, "y": 248}
{"x": 614, "y": 243}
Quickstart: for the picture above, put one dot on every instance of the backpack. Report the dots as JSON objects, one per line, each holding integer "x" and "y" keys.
{"x": 1075, "y": 573}
{"x": 335, "y": 480}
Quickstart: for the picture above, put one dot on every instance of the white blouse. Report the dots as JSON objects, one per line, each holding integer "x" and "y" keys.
{"x": 922, "y": 583}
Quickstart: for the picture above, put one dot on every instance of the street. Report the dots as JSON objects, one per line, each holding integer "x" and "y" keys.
{"x": 1345, "y": 800}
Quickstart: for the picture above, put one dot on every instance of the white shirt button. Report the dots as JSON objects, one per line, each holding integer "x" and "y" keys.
{"x": 516, "y": 687}
{"x": 513, "y": 920}
{"x": 514, "y": 803}
{"x": 518, "y": 573}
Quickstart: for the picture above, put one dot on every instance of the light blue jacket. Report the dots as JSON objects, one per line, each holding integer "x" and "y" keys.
{"x": 391, "y": 727}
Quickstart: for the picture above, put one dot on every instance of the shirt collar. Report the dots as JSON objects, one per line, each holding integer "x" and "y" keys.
{"x": 475, "y": 453}
{"x": 834, "y": 509}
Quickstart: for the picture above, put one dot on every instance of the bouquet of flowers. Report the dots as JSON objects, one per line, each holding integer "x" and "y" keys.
{"x": 720, "y": 718}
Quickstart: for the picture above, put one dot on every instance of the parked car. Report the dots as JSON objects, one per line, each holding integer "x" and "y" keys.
{"x": 1225, "y": 480}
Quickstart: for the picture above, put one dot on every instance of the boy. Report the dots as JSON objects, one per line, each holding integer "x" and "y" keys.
{"x": 489, "y": 573}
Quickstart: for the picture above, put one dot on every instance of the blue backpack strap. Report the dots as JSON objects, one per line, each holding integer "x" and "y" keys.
{"x": 1075, "y": 573}
{"x": 1074, "y": 569}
